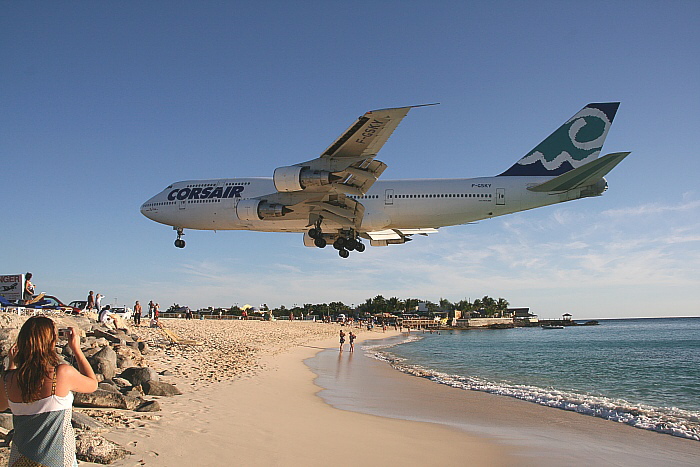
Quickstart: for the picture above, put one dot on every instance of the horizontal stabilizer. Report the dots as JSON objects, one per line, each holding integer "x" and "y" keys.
{"x": 585, "y": 175}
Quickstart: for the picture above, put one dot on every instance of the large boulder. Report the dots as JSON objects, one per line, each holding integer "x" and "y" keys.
{"x": 149, "y": 406}
{"x": 138, "y": 375}
{"x": 106, "y": 399}
{"x": 91, "y": 447}
{"x": 157, "y": 388}
{"x": 105, "y": 362}
{"x": 85, "y": 422}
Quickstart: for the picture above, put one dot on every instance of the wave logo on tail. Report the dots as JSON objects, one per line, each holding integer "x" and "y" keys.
{"x": 576, "y": 142}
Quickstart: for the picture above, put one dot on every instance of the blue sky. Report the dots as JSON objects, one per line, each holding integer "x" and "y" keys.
{"x": 106, "y": 103}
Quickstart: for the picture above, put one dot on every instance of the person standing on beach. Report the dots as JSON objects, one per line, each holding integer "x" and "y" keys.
{"x": 38, "y": 389}
{"x": 137, "y": 313}
{"x": 28, "y": 292}
{"x": 342, "y": 339}
{"x": 352, "y": 337}
{"x": 151, "y": 306}
{"x": 90, "y": 302}
{"x": 98, "y": 302}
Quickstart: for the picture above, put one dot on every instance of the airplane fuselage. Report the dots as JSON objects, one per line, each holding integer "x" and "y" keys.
{"x": 389, "y": 204}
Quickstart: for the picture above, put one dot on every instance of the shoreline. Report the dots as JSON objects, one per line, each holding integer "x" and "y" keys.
{"x": 250, "y": 397}
{"x": 539, "y": 434}
{"x": 276, "y": 418}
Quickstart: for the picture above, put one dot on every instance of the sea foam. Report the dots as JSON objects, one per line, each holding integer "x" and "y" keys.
{"x": 669, "y": 420}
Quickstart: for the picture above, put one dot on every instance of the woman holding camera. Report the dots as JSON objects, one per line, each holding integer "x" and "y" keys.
{"x": 38, "y": 390}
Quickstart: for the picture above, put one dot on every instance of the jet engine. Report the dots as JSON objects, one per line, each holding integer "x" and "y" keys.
{"x": 296, "y": 178}
{"x": 256, "y": 209}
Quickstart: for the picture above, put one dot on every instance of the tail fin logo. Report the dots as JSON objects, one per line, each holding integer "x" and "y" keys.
{"x": 576, "y": 142}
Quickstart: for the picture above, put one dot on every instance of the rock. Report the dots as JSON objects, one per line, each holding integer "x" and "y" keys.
{"x": 105, "y": 362}
{"x": 137, "y": 375}
{"x": 111, "y": 387}
{"x": 149, "y": 406}
{"x": 156, "y": 388}
{"x": 99, "y": 333}
{"x": 106, "y": 399}
{"x": 107, "y": 353}
{"x": 121, "y": 382}
{"x": 143, "y": 348}
{"x": 91, "y": 447}
{"x": 6, "y": 421}
{"x": 124, "y": 362}
{"x": 133, "y": 392}
{"x": 85, "y": 422}
{"x": 166, "y": 373}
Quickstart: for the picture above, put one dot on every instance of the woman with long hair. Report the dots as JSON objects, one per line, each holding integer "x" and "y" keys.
{"x": 38, "y": 389}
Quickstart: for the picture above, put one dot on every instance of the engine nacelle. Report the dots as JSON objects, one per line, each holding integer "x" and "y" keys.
{"x": 295, "y": 178}
{"x": 256, "y": 210}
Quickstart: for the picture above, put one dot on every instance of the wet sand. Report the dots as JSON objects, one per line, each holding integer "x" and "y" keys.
{"x": 276, "y": 418}
{"x": 536, "y": 435}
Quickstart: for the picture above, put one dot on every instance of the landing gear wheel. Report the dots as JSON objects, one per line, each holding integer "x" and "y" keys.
{"x": 180, "y": 243}
{"x": 320, "y": 242}
{"x": 339, "y": 243}
{"x": 314, "y": 232}
{"x": 343, "y": 253}
{"x": 360, "y": 246}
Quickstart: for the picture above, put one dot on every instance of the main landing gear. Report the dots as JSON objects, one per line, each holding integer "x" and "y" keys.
{"x": 180, "y": 243}
{"x": 345, "y": 243}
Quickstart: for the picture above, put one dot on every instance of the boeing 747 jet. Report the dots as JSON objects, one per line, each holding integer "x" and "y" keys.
{"x": 336, "y": 199}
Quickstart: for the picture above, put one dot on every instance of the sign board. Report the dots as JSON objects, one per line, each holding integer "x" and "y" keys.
{"x": 11, "y": 286}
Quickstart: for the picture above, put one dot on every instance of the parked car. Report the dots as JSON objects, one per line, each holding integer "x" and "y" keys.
{"x": 123, "y": 311}
{"x": 54, "y": 303}
{"x": 80, "y": 304}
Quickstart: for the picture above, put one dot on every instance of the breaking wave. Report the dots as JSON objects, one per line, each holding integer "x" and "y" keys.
{"x": 669, "y": 420}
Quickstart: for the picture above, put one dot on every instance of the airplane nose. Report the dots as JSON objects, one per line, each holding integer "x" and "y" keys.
{"x": 150, "y": 208}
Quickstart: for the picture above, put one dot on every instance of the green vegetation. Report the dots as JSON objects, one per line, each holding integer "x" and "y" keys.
{"x": 487, "y": 306}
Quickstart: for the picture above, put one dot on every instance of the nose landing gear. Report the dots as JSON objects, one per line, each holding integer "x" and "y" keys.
{"x": 180, "y": 243}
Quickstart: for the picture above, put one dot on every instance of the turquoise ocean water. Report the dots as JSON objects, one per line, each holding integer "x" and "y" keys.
{"x": 643, "y": 372}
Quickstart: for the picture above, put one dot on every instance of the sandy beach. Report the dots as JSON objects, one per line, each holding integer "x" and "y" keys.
{"x": 250, "y": 399}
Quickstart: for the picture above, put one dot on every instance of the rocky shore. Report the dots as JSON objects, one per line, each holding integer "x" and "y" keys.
{"x": 136, "y": 366}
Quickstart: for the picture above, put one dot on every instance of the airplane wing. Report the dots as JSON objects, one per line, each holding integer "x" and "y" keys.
{"x": 351, "y": 156}
{"x": 319, "y": 188}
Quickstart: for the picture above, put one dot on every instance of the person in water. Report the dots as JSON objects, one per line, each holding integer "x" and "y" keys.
{"x": 38, "y": 389}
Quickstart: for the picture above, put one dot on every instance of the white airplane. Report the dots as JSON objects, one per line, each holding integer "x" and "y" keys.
{"x": 336, "y": 198}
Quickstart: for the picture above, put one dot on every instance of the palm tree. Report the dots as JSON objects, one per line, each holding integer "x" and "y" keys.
{"x": 502, "y": 306}
{"x": 393, "y": 304}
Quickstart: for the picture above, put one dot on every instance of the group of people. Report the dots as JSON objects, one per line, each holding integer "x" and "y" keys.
{"x": 351, "y": 338}
{"x": 104, "y": 313}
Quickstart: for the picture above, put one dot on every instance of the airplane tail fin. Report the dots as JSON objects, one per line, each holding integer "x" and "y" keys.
{"x": 575, "y": 143}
